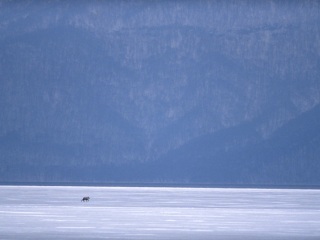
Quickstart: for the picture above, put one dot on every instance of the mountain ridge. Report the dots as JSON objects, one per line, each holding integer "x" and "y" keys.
{"x": 140, "y": 91}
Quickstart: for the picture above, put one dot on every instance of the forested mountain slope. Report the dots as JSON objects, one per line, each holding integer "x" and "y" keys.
{"x": 187, "y": 91}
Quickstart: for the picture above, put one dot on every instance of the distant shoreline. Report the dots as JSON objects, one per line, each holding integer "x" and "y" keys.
{"x": 173, "y": 185}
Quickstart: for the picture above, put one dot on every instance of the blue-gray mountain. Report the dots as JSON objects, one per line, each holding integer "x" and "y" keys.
{"x": 160, "y": 91}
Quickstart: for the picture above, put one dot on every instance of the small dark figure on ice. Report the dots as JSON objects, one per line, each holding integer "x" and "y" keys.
{"x": 85, "y": 199}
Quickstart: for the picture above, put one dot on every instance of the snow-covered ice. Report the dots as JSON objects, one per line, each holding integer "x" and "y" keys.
{"x": 38, "y": 212}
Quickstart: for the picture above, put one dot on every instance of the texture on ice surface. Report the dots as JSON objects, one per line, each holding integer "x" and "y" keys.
{"x": 158, "y": 213}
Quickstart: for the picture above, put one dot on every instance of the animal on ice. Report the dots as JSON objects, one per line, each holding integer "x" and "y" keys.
{"x": 85, "y": 199}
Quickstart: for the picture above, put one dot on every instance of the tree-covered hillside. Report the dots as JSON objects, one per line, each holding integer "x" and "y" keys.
{"x": 160, "y": 91}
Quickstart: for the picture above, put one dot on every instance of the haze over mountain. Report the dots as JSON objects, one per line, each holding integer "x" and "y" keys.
{"x": 220, "y": 92}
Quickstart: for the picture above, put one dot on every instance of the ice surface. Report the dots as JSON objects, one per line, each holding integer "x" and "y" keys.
{"x": 33, "y": 212}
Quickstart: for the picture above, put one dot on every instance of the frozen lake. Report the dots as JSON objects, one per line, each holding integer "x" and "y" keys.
{"x": 34, "y": 212}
